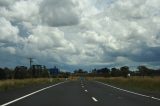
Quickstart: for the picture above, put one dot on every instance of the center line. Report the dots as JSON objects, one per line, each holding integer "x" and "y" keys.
{"x": 85, "y": 90}
{"x": 94, "y": 99}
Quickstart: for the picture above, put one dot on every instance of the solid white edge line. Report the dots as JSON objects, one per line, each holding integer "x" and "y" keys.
{"x": 94, "y": 99}
{"x": 15, "y": 100}
{"x": 129, "y": 91}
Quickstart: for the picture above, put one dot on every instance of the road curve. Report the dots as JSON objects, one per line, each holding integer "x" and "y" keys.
{"x": 83, "y": 93}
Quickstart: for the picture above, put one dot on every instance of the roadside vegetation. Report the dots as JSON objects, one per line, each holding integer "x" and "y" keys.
{"x": 149, "y": 85}
{"x": 143, "y": 79}
{"x": 17, "y": 83}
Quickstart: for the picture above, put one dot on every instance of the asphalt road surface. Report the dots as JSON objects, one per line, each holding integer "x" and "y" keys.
{"x": 79, "y": 93}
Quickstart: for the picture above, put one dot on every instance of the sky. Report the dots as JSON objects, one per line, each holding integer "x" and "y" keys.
{"x": 84, "y": 34}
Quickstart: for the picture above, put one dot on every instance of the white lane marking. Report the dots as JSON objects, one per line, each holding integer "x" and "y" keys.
{"x": 129, "y": 91}
{"x": 86, "y": 90}
{"x": 94, "y": 99}
{"x": 15, "y": 100}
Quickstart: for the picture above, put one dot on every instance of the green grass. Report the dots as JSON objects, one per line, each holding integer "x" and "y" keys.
{"x": 13, "y": 83}
{"x": 146, "y": 84}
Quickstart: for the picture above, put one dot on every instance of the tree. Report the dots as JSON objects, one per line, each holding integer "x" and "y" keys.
{"x": 80, "y": 71}
{"x": 2, "y": 74}
{"x": 45, "y": 73}
{"x": 115, "y": 72}
{"x": 8, "y": 72}
{"x": 103, "y": 72}
{"x": 143, "y": 70}
{"x": 20, "y": 72}
{"x": 124, "y": 71}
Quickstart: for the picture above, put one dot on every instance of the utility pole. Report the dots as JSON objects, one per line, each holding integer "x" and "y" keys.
{"x": 30, "y": 61}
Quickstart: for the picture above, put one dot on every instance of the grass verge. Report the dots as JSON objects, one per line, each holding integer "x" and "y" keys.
{"x": 15, "y": 83}
{"x": 139, "y": 84}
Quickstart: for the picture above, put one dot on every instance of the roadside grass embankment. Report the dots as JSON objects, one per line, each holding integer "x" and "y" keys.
{"x": 147, "y": 85}
{"x": 17, "y": 83}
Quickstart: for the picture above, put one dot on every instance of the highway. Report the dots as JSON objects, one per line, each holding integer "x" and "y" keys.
{"x": 77, "y": 93}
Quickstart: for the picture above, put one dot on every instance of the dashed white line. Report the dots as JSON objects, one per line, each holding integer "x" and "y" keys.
{"x": 130, "y": 91}
{"x": 94, "y": 99}
{"x": 86, "y": 90}
{"x": 15, "y": 100}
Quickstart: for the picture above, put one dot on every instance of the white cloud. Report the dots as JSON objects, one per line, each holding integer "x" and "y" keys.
{"x": 59, "y": 12}
{"x": 25, "y": 10}
{"x": 10, "y": 50}
{"x": 82, "y": 31}
{"x": 8, "y": 33}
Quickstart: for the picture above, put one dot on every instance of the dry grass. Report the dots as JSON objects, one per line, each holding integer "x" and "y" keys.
{"x": 135, "y": 83}
{"x": 73, "y": 78}
{"x": 9, "y": 84}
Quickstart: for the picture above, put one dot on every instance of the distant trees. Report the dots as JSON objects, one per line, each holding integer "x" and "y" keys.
{"x": 144, "y": 71}
{"x": 124, "y": 71}
{"x": 20, "y": 72}
{"x": 115, "y": 72}
{"x": 37, "y": 71}
{"x": 2, "y": 74}
{"x": 64, "y": 74}
{"x": 6, "y": 73}
{"x": 104, "y": 72}
{"x": 80, "y": 71}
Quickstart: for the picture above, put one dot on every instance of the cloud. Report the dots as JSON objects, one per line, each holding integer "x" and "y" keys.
{"x": 81, "y": 32}
{"x": 6, "y": 3}
{"x": 21, "y": 10}
{"x": 46, "y": 44}
{"x": 59, "y": 12}
{"x": 10, "y": 50}
{"x": 8, "y": 32}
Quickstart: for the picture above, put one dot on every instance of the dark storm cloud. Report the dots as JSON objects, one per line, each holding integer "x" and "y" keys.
{"x": 148, "y": 54}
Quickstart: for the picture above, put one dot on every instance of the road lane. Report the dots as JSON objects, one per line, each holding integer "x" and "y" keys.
{"x": 72, "y": 93}
{"x": 108, "y": 96}
{"x": 67, "y": 94}
{"x": 30, "y": 94}
{"x": 11, "y": 94}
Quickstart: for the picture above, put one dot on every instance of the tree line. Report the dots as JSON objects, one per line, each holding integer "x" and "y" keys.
{"x": 123, "y": 71}
{"x": 21, "y": 72}
{"x": 36, "y": 71}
